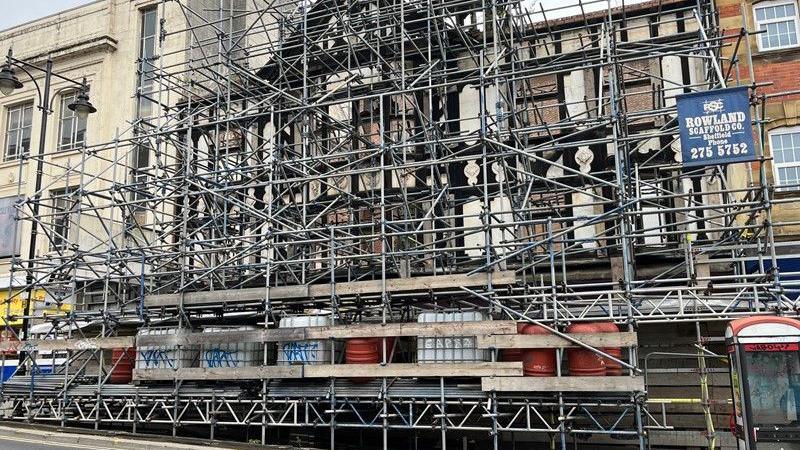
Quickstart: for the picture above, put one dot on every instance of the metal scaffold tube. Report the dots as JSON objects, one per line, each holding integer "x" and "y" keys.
{"x": 306, "y": 178}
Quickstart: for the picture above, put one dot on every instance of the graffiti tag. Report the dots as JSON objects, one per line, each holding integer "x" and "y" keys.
{"x": 85, "y": 344}
{"x": 156, "y": 357}
{"x": 29, "y": 346}
{"x": 217, "y": 357}
{"x": 300, "y": 351}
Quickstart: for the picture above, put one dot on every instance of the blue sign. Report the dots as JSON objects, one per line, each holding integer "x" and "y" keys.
{"x": 715, "y": 127}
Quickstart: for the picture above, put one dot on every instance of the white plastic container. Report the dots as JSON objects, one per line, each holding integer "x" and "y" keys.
{"x": 231, "y": 354}
{"x": 306, "y": 352}
{"x": 449, "y": 349}
{"x": 165, "y": 357}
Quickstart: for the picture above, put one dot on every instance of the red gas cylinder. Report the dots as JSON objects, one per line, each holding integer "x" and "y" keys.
{"x": 362, "y": 351}
{"x": 538, "y": 362}
{"x": 513, "y": 354}
{"x": 8, "y": 336}
{"x": 367, "y": 350}
{"x": 122, "y": 360}
{"x": 612, "y": 368}
{"x": 582, "y": 362}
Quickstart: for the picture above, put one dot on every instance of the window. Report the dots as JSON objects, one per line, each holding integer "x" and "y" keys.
{"x": 147, "y": 56}
{"x": 144, "y": 106}
{"x": 778, "y": 22}
{"x": 774, "y": 391}
{"x": 64, "y": 205}
{"x": 653, "y": 215}
{"x": 72, "y": 129}
{"x": 139, "y": 173}
{"x": 18, "y": 131}
{"x": 785, "y": 146}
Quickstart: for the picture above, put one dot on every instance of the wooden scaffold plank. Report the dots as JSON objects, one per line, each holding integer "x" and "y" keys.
{"x": 563, "y": 384}
{"x": 396, "y": 370}
{"x": 624, "y": 339}
{"x": 422, "y": 283}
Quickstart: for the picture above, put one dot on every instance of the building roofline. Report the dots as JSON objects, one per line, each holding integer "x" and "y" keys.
{"x": 616, "y": 11}
{"x": 43, "y": 18}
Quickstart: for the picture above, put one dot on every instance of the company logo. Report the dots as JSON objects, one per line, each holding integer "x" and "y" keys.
{"x": 713, "y": 106}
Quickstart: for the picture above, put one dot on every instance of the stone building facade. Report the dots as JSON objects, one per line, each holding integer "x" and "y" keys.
{"x": 109, "y": 43}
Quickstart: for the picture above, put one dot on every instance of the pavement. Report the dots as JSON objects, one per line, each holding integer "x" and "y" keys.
{"x": 18, "y": 437}
{"x": 8, "y": 443}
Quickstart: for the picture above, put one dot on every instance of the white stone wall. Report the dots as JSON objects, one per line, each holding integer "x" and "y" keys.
{"x": 98, "y": 41}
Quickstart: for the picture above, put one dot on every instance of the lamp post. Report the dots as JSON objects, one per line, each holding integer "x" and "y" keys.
{"x": 9, "y": 82}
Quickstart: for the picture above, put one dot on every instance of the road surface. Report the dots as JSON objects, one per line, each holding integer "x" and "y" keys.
{"x": 22, "y": 438}
{"x": 15, "y": 443}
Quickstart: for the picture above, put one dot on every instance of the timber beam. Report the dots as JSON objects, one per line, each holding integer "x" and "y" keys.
{"x": 563, "y": 384}
{"x": 395, "y": 370}
{"x": 422, "y": 284}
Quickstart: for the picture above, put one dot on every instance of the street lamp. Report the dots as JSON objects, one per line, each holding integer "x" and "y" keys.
{"x": 82, "y": 108}
{"x": 9, "y": 83}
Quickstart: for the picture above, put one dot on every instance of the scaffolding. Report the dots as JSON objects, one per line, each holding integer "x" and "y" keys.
{"x": 373, "y": 160}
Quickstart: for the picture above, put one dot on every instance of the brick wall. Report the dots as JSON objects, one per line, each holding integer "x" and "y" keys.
{"x": 781, "y": 68}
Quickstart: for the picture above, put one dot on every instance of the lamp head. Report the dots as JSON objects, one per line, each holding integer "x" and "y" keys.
{"x": 8, "y": 80}
{"x": 82, "y": 106}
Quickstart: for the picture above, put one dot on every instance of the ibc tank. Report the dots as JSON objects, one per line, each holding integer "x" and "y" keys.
{"x": 583, "y": 362}
{"x": 309, "y": 351}
{"x": 449, "y": 349}
{"x": 231, "y": 354}
{"x": 612, "y": 368}
{"x": 122, "y": 361}
{"x": 166, "y": 356}
{"x": 538, "y": 362}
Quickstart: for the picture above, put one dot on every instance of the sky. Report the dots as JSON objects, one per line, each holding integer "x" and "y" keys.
{"x": 27, "y": 10}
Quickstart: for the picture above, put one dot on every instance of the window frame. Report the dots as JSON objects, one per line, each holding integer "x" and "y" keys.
{"x": 144, "y": 81}
{"x": 139, "y": 159}
{"x": 64, "y": 100}
{"x": 22, "y": 106}
{"x": 60, "y": 225}
{"x": 758, "y": 23}
{"x": 771, "y": 134}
